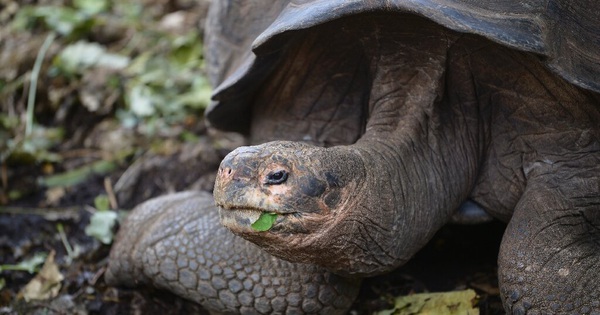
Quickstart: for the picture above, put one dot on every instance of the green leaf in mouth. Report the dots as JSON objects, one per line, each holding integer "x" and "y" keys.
{"x": 264, "y": 222}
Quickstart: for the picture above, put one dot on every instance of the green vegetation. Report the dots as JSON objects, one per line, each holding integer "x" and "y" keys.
{"x": 265, "y": 222}
{"x": 30, "y": 265}
{"x": 102, "y": 59}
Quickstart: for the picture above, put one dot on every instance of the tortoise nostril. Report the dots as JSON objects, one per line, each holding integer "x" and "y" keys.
{"x": 276, "y": 177}
{"x": 225, "y": 171}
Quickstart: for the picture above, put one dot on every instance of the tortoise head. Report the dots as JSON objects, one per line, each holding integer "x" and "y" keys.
{"x": 309, "y": 189}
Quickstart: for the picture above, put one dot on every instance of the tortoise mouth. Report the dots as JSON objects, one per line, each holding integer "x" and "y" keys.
{"x": 242, "y": 218}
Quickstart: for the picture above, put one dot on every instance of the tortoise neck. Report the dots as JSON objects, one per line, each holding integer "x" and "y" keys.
{"x": 419, "y": 169}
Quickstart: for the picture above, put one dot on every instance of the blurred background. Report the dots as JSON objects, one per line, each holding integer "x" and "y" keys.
{"x": 101, "y": 108}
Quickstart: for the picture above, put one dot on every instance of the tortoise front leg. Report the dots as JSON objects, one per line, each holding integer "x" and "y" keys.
{"x": 549, "y": 259}
{"x": 175, "y": 242}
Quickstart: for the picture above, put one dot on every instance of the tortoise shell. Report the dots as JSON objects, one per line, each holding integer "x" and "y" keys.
{"x": 246, "y": 39}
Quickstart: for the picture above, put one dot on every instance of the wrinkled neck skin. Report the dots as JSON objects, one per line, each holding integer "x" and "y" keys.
{"x": 417, "y": 172}
{"x": 404, "y": 192}
{"x": 395, "y": 186}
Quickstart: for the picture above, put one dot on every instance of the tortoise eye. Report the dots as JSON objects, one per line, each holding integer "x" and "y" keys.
{"x": 276, "y": 177}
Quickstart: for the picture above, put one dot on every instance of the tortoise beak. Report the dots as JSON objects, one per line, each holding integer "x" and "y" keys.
{"x": 240, "y": 202}
{"x": 236, "y": 174}
{"x": 237, "y": 168}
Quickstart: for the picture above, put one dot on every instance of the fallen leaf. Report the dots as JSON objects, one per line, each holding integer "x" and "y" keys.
{"x": 46, "y": 284}
{"x": 54, "y": 195}
{"x": 101, "y": 202}
{"x": 101, "y": 225}
{"x": 82, "y": 55}
{"x": 443, "y": 303}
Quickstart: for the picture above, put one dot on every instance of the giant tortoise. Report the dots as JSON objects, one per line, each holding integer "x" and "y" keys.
{"x": 374, "y": 121}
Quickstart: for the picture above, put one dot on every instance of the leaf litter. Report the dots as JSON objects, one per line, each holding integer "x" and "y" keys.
{"x": 46, "y": 284}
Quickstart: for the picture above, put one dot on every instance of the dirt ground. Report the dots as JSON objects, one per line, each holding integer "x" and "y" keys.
{"x": 46, "y": 207}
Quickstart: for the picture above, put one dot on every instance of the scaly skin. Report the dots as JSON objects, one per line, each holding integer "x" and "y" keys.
{"x": 175, "y": 242}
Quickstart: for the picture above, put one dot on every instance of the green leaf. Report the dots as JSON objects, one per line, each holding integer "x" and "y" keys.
{"x": 34, "y": 148}
{"x": 101, "y": 202}
{"x": 62, "y": 20}
{"x": 186, "y": 51}
{"x": 30, "y": 265}
{"x": 8, "y": 122}
{"x": 77, "y": 175}
{"x": 187, "y": 136}
{"x": 141, "y": 100}
{"x": 264, "y": 222}
{"x": 80, "y": 56}
{"x": 197, "y": 96}
{"x": 91, "y": 7}
{"x": 444, "y": 303}
{"x": 101, "y": 225}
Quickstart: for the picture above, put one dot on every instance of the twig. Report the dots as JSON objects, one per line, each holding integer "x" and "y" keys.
{"x": 97, "y": 275}
{"x": 37, "y": 66}
{"x": 50, "y": 214}
{"x": 111, "y": 193}
{"x": 63, "y": 238}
